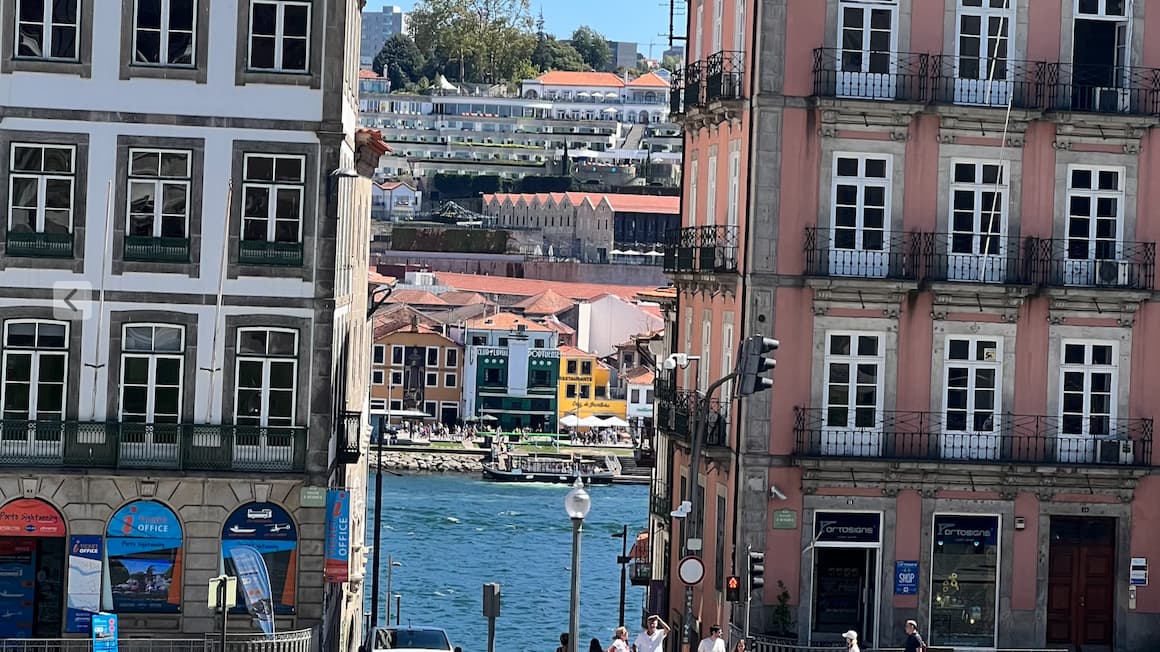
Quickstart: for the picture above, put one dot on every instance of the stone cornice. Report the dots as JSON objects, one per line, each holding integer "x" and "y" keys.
{"x": 1004, "y": 300}
{"x": 867, "y": 294}
{"x": 1121, "y": 305}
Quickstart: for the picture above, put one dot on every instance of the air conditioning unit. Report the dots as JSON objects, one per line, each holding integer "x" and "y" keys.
{"x": 1116, "y": 451}
{"x": 1112, "y": 273}
{"x": 1112, "y": 100}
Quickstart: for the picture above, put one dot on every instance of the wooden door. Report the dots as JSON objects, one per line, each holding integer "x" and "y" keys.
{"x": 1081, "y": 583}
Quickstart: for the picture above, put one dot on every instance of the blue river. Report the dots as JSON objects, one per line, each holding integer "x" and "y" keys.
{"x": 451, "y": 534}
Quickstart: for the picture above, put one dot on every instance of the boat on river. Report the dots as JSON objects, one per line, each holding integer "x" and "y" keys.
{"x": 507, "y": 467}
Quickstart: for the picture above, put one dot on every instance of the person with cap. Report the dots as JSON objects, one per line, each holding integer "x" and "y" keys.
{"x": 851, "y": 641}
{"x": 914, "y": 642}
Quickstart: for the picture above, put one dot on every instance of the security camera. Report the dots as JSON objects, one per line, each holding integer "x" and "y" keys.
{"x": 774, "y": 492}
{"x": 669, "y": 364}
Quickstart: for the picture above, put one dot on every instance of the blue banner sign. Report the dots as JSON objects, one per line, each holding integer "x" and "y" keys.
{"x": 104, "y": 632}
{"x": 84, "y": 582}
{"x": 906, "y": 578}
{"x": 143, "y": 543}
{"x": 847, "y": 527}
{"x": 337, "y": 564}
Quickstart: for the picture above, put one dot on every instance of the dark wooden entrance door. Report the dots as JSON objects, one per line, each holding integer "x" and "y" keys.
{"x": 1081, "y": 583}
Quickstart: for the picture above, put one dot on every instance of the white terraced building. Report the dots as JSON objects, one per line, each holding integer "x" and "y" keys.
{"x": 183, "y": 311}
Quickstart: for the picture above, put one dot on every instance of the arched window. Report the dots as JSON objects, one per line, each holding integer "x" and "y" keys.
{"x": 260, "y": 548}
{"x": 32, "y": 545}
{"x": 143, "y": 559}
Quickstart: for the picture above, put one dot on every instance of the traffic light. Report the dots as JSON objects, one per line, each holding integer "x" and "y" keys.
{"x": 754, "y": 363}
{"x": 756, "y": 570}
{"x": 733, "y": 589}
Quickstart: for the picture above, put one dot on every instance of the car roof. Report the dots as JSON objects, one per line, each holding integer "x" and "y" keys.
{"x": 415, "y": 628}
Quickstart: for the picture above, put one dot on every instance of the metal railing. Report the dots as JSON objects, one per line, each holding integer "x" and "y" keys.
{"x": 701, "y": 249}
{"x": 977, "y": 437}
{"x": 168, "y": 446}
{"x": 348, "y": 447}
{"x": 1104, "y": 89}
{"x": 293, "y": 641}
{"x": 694, "y": 85}
{"x": 39, "y": 245}
{"x": 978, "y": 82}
{"x": 1084, "y": 262}
{"x": 660, "y": 499}
{"x": 262, "y": 252}
{"x": 724, "y": 72}
{"x": 875, "y": 75}
{"x": 676, "y": 93}
{"x": 640, "y": 572}
{"x": 161, "y": 250}
{"x": 974, "y": 257}
{"x": 862, "y": 253}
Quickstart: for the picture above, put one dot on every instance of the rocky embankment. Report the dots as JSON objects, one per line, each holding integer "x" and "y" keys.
{"x": 429, "y": 462}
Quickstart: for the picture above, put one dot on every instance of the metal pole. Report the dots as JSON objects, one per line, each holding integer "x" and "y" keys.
{"x": 574, "y": 604}
{"x": 623, "y": 571}
{"x": 390, "y": 575}
{"x": 225, "y": 610}
{"x": 377, "y": 554}
{"x": 398, "y": 607}
{"x": 748, "y": 592}
{"x": 491, "y": 635}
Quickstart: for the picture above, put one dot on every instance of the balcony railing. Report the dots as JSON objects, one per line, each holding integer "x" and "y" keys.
{"x": 40, "y": 245}
{"x": 1104, "y": 89}
{"x": 160, "y": 250}
{"x": 262, "y": 252}
{"x": 1083, "y": 262}
{"x": 694, "y": 85}
{"x": 640, "y": 572}
{"x": 866, "y": 433}
{"x": 701, "y": 249}
{"x": 167, "y": 446}
{"x": 973, "y": 257}
{"x": 349, "y": 444}
{"x": 863, "y": 253}
{"x": 660, "y": 500}
{"x": 974, "y": 82}
{"x": 872, "y": 75}
{"x": 677, "y": 92}
{"x": 723, "y": 76}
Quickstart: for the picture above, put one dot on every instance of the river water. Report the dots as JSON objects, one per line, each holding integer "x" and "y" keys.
{"x": 453, "y": 533}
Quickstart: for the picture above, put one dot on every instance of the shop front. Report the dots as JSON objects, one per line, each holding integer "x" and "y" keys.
{"x": 964, "y": 580}
{"x": 143, "y": 560}
{"x": 32, "y": 569}
{"x": 847, "y": 560}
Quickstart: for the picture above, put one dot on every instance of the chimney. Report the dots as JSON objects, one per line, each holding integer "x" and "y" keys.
{"x": 415, "y": 323}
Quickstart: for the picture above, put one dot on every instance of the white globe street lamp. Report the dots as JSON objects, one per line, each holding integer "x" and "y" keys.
{"x": 576, "y": 504}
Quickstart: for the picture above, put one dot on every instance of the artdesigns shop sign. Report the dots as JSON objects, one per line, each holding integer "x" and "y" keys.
{"x": 967, "y": 530}
{"x": 847, "y": 527}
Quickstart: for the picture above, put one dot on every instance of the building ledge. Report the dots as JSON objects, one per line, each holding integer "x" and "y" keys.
{"x": 994, "y": 298}
{"x": 869, "y": 294}
{"x": 1089, "y": 302}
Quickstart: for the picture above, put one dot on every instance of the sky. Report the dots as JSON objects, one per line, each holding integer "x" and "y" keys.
{"x": 642, "y": 21}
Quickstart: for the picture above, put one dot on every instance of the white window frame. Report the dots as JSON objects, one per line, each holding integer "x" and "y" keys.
{"x": 398, "y": 355}
{"x": 396, "y": 405}
{"x": 982, "y": 94}
{"x": 379, "y": 354}
{"x": 450, "y": 381}
{"x": 451, "y": 357}
{"x": 47, "y": 25}
{"x": 718, "y": 16}
{"x": 852, "y": 361}
{"x": 711, "y": 192}
{"x": 734, "y": 199}
{"x": 998, "y": 565}
{"x": 431, "y": 353}
{"x": 151, "y": 386}
{"x": 163, "y": 53}
{"x": 693, "y": 178}
{"x": 1088, "y": 369}
{"x": 272, "y": 188}
{"x": 35, "y": 353}
{"x": 430, "y": 379}
{"x": 265, "y": 389}
{"x": 703, "y": 367}
{"x": 1094, "y": 195}
{"x": 727, "y": 360}
{"x": 739, "y": 25}
{"x": 396, "y": 378}
{"x": 378, "y": 376}
{"x": 1103, "y": 12}
{"x": 159, "y": 184}
{"x": 42, "y": 178}
{"x": 433, "y": 413}
{"x": 279, "y": 37}
{"x": 986, "y": 260}
{"x": 969, "y": 442}
{"x": 860, "y": 261}
{"x": 867, "y": 6}
{"x": 378, "y": 405}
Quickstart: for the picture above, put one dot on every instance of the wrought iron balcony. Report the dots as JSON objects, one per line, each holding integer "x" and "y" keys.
{"x": 723, "y": 76}
{"x": 975, "y": 258}
{"x": 660, "y": 500}
{"x": 875, "y": 75}
{"x": 160, "y": 250}
{"x": 162, "y": 446}
{"x": 40, "y": 245}
{"x": 975, "y": 82}
{"x": 864, "y": 253}
{"x": 1083, "y": 262}
{"x": 677, "y": 92}
{"x": 262, "y": 252}
{"x": 694, "y": 85}
{"x": 1104, "y": 89}
{"x": 640, "y": 572}
{"x": 964, "y": 437}
{"x": 701, "y": 250}
{"x": 348, "y": 445}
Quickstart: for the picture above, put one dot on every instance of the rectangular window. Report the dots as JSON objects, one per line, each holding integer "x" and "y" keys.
{"x": 973, "y": 372}
{"x": 720, "y": 563}
{"x": 1087, "y": 398}
{"x": 859, "y": 234}
{"x": 380, "y": 354}
{"x": 570, "y": 390}
{"x": 866, "y": 57}
{"x": 47, "y": 30}
{"x": 540, "y": 378}
{"x": 503, "y": 341}
{"x": 976, "y": 248}
{"x": 34, "y": 374}
{"x": 397, "y": 378}
{"x": 266, "y": 375}
{"x": 648, "y": 396}
{"x": 585, "y": 391}
{"x": 718, "y": 10}
{"x": 853, "y": 393}
{"x": 396, "y": 354}
{"x": 396, "y": 405}
{"x": 152, "y": 360}
{"x": 431, "y": 408}
{"x": 378, "y": 405}
{"x": 273, "y": 186}
{"x": 538, "y": 343}
{"x": 704, "y": 367}
{"x": 739, "y": 25}
{"x": 634, "y": 396}
{"x": 570, "y": 367}
{"x": 479, "y": 340}
{"x": 432, "y": 356}
{"x": 158, "y": 202}
{"x": 981, "y": 67}
{"x": 450, "y": 381}
{"x": 493, "y": 376}
{"x": 1095, "y": 212}
{"x": 964, "y": 588}
{"x": 451, "y": 358}
{"x": 163, "y": 32}
{"x": 734, "y": 197}
{"x": 279, "y": 35}
{"x": 601, "y": 391}
{"x": 430, "y": 379}
{"x": 692, "y": 210}
{"x": 41, "y": 186}
{"x": 378, "y": 377}
{"x": 586, "y": 368}
{"x": 711, "y": 191}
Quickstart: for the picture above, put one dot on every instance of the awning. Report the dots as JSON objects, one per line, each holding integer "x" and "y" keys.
{"x": 640, "y": 549}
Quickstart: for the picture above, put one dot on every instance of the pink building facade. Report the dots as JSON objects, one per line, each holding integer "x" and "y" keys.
{"x": 943, "y": 219}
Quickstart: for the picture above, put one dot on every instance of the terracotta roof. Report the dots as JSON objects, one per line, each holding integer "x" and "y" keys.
{"x": 372, "y": 138}
{"x": 652, "y": 80}
{"x": 505, "y": 321}
{"x": 658, "y": 294}
{"x": 526, "y": 287}
{"x": 620, "y": 203}
{"x": 393, "y": 317}
{"x": 569, "y": 78}
{"x": 416, "y": 298}
{"x": 363, "y": 73}
{"x": 639, "y": 376}
{"x": 391, "y": 185}
{"x": 558, "y": 326}
{"x": 573, "y": 352}
{"x": 651, "y": 309}
{"x": 458, "y": 298}
{"x": 375, "y": 278}
{"x": 548, "y": 302}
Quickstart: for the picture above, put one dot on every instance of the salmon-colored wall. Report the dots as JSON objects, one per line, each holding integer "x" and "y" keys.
{"x": 1043, "y": 43}
{"x": 1025, "y": 550}
{"x": 805, "y": 27}
{"x": 906, "y": 548}
{"x": 926, "y": 26}
{"x": 921, "y": 191}
{"x": 1145, "y": 534}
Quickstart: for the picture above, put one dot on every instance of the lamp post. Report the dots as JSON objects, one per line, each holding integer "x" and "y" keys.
{"x": 623, "y": 560}
{"x": 576, "y": 505}
{"x": 391, "y": 565}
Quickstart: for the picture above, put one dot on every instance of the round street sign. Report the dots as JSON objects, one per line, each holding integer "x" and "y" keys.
{"x": 691, "y": 570}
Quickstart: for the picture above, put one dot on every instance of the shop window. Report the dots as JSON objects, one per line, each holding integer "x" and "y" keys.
{"x": 964, "y": 565}
{"x": 257, "y": 535}
{"x": 32, "y": 548}
{"x": 143, "y": 551}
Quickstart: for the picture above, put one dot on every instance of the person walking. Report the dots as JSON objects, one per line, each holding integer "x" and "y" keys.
{"x": 619, "y": 640}
{"x": 713, "y": 642}
{"x": 652, "y": 639}
{"x": 851, "y": 641}
{"x": 563, "y": 643}
{"x": 595, "y": 646}
{"x": 914, "y": 642}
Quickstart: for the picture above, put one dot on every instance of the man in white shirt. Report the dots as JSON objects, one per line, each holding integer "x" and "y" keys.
{"x": 714, "y": 642}
{"x": 652, "y": 639}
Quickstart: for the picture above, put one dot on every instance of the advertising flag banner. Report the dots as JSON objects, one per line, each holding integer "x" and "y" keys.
{"x": 337, "y": 566}
{"x": 84, "y": 582}
{"x": 255, "y": 583}
{"x": 268, "y": 529}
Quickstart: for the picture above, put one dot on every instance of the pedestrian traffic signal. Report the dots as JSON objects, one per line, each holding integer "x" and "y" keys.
{"x": 754, "y": 363}
{"x": 756, "y": 570}
{"x": 733, "y": 589}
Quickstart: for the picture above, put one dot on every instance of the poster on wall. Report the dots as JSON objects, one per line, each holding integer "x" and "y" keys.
{"x": 84, "y": 582}
{"x": 29, "y": 517}
{"x": 269, "y": 531}
{"x": 144, "y": 556}
{"x": 17, "y": 587}
{"x": 337, "y": 566}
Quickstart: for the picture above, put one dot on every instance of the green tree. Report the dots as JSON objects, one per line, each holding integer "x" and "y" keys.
{"x": 552, "y": 54}
{"x": 592, "y": 46}
{"x": 486, "y": 40}
{"x": 400, "y": 61}
{"x": 671, "y": 63}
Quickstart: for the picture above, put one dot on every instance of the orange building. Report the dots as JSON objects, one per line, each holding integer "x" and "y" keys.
{"x": 414, "y": 366}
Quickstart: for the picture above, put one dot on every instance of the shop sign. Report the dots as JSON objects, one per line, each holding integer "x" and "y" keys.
{"x": 337, "y": 565}
{"x": 967, "y": 530}
{"x": 544, "y": 353}
{"x": 312, "y": 497}
{"x": 260, "y": 547}
{"x": 104, "y": 633}
{"x": 785, "y": 519}
{"x": 84, "y": 582}
{"x": 906, "y": 578}
{"x": 143, "y": 544}
{"x": 29, "y": 517}
{"x": 1139, "y": 571}
{"x": 847, "y": 527}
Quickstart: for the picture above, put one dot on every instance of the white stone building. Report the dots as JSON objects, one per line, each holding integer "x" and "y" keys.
{"x": 183, "y": 303}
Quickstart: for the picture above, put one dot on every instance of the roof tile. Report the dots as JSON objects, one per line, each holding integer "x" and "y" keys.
{"x": 526, "y": 287}
{"x": 505, "y": 321}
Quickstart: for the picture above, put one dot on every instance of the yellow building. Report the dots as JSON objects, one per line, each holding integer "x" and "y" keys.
{"x": 584, "y": 386}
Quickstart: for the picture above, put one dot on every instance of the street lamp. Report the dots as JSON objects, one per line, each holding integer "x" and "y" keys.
{"x": 623, "y": 560}
{"x": 576, "y": 505}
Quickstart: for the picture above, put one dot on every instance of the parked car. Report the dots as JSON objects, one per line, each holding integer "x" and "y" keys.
{"x": 410, "y": 639}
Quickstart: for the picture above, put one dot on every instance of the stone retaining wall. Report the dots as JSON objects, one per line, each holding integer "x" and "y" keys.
{"x": 429, "y": 462}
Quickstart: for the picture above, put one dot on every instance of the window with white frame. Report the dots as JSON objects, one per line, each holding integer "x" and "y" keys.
{"x": 41, "y": 188}
{"x": 1095, "y": 210}
{"x": 279, "y": 35}
{"x": 703, "y": 367}
{"x": 378, "y": 377}
{"x": 431, "y": 408}
{"x": 734, "y": 197}
{"x": 450, "y": 381}
{"x": 47, "y": 30}
{"x": 397, "y": 378}
{"x": 854, "y": 369}
{"x": 1087, "y": 392}
{"x": 378, "y": 405}
{"x": 379, "y": 354}
{"x": 711, "y": 192}
{"x": 266, "y": 377}
{"x": 430, "y": 379}
{"x": 861, "y": 207}
{"x": 152, "y": 361}
{"x": 432, "y": 356}
{"x": 693, "y": 179}
{"x": 972, "y": 381}
{"x": 726, "y": 356}
{"x": 984, "y": 28}
{"x": 977, "y": 221}
{"x": 739, "y": 25}
{"x": 451, "y": 358}
{"x": 397, "y": 353}
{"x": 866, "y": 36}
{"x": 164, "y": 32}
{"x": 273, "y": 188}
{"x": 718, "y": 11}
{"x": 34, "y": 372}
{"x": 159, "y": 183}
